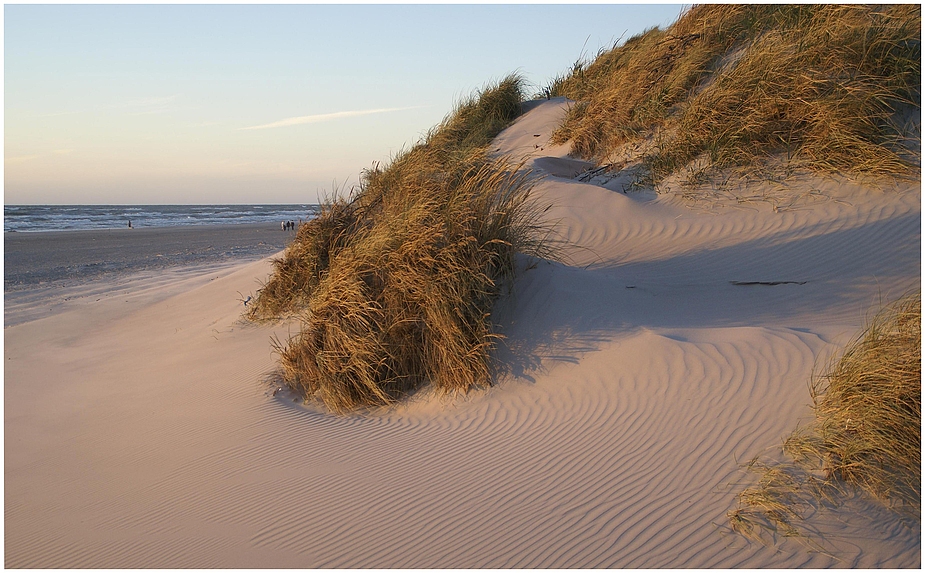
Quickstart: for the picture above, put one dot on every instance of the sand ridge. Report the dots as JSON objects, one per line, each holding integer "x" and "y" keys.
{"x": 635, "y": 378}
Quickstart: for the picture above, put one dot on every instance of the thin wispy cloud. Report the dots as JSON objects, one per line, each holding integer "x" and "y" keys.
{"x": 17, "y": 159}
{"x": 317, "y": 118}
{"x": 138, "y": 106}
{"x": 20, "y": 159}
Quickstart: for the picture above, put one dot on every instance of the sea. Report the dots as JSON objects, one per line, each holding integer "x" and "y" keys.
{"x": 28, "y": 218}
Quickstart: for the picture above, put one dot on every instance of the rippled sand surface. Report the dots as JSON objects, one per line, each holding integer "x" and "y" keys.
{"x": 671, "y": 343}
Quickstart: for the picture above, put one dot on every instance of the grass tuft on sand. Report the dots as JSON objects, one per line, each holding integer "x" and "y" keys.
{"x": 394, "y": 285}
{"x": 866, "y": 432}
{"x": 825, "y": 87}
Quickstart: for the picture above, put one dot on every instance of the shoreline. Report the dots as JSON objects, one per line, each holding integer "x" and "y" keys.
{"x": 144, "y": 427}
{"x": 50, "y": 272}
{"x": 40, "y": 259}
{"x": 38, "y": 218}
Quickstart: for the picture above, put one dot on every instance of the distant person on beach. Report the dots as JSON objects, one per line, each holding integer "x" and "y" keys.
{"x": 282, "y": 225}
{"x": 129, "y": 223}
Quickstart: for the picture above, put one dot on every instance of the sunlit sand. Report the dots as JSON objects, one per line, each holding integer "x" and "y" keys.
{"x": 674, "y": 342}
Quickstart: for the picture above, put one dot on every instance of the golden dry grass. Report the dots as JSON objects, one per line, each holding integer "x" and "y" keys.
{"x": 825, "y": 86}
{"x": 868, "y": 410}
{"x": 866, "y": 432}
{"x": 394, "y": 286}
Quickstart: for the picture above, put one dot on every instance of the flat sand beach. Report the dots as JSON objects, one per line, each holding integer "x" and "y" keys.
{"x": 673, "y": 341}
{"x": 44, "y": 268}
{"x": 40, "y": 258}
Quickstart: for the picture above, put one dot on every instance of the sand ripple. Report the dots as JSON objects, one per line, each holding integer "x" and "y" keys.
{"x": 635, "y": 378}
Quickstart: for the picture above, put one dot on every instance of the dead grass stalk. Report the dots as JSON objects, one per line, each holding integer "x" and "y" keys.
{"x": 825, "y": 86}
{"x": 866, "y": 432}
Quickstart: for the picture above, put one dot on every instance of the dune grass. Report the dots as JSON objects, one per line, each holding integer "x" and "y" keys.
{"x": 868, "y": 407}
{"x": 826, "y": 87}
{"x": 394, "y": 285}
{"x": 866, "y": 432}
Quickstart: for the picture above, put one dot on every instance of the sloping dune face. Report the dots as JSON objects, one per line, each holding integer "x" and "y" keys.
{"x": 668, "y": 346}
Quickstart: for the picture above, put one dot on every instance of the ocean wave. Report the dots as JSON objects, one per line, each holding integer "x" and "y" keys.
{"x": 24, "y": 218}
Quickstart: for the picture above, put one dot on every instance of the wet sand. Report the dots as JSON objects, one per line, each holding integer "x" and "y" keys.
{"x": 49, "y": 272}
{"x": 34, "y": 259}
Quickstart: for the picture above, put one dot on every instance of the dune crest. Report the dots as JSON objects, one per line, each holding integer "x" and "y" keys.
{"x": 636, "y": 376}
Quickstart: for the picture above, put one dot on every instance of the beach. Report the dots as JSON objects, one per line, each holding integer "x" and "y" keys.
{"x": 45, "y": 268}
{"x": 671, "y": 342}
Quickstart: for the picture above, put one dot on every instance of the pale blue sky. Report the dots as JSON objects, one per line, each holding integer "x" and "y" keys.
{"x": 153, "y": 103}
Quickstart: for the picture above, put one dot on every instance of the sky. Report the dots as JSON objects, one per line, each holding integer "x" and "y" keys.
{"x": 223, "y": 104}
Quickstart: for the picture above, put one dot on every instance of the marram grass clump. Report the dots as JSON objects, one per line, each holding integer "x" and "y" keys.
{"x": 394, "y": 286}
{"x": 826, "y": 87}
{"x": 866, "y": 432}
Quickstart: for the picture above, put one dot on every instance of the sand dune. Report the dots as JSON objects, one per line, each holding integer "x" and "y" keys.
{"x": 637, "y": 375}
